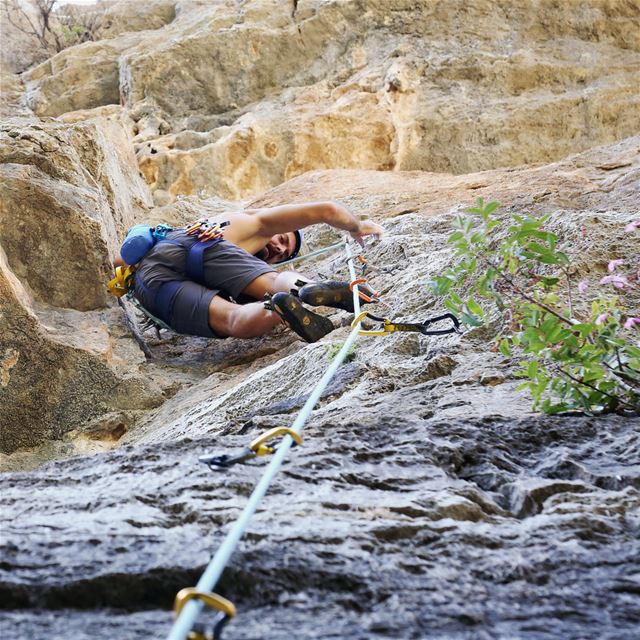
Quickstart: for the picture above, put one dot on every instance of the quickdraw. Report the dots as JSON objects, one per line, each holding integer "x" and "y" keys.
{"x": 375, "y": 297}
{"x": 207, "y": 230}
{"x": 423, "y": 327}
{"x": 226, "y": 609}
{"x": 148, "y": 320}
{"x": 367, "y": 266}
{"x": 258, "y": 447}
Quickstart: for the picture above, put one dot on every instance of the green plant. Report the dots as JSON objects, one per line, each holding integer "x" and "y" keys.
{"x": 579, "y": 353}
{"x": 72, "y": 34}
{"x": 334, "y": 349}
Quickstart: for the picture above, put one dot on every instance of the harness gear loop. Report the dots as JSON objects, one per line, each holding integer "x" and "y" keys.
{"x": 226, "y": 608}
{"x": 207, "y": 230}
{"x": 122, "y": 283}
{"x": 258, "y": 447}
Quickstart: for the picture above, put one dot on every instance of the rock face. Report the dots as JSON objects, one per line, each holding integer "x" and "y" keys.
{"x": 426, "y": 499}
{"x": 436, "y": 86}
{"x": 393, "y": 523}
{"x": 67, "y": 194}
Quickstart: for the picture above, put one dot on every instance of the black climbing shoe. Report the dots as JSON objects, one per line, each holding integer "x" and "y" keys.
{"x": 305, "y": 323}
{"x": 333, "y": 293}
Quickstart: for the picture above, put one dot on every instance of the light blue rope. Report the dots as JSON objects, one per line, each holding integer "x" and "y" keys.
{"x": 185, "y": 621}
{"x": 312, "y": 254}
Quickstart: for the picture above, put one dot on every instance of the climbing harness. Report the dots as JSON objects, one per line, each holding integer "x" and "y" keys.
{"x": 186, "y": 618}
{"x": 258, "y": 447}
{"x": 139, "y": 241}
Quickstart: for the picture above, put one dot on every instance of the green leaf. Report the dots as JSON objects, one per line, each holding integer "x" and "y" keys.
{"x": 504, "y": 348}
{"x": 470, "y": 320}
{"x": 452, "y": 306}
{"x": 550, "y": 408}
{"x": 549, "y": 324}
{"x": 475, "y": 308}
{"x": 455, "y": 297}
{"x": 491, "y": 207}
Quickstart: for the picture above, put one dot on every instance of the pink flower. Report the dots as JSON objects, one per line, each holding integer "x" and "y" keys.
{"x": 632, "y": 225}
{"x": 611, "y": 267}
{"x": 620, "y": 282}
{"x": 630, "y": 322}
{"x": 602, "y": 318}
{"x": 583, "y": 285}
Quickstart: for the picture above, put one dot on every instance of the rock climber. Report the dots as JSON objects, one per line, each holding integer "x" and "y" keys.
{"x": 234, "y": 275}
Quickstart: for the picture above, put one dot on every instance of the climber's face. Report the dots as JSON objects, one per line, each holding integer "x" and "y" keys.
{"x": 279, "y": 248}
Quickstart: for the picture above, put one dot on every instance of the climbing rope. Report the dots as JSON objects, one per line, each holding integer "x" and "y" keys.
{"x": 312, "y": 254}
{"x": 191, "y": 609}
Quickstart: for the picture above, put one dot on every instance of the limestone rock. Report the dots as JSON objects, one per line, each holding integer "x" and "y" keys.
{"x": 419, "y": 474}
{"x": 377, "y": 526}
{"x": 68, "y": 192}
{"x": 369, "y": 85}
{"x": 82, "y": 180}
{"x": 81, "y": 77}
{"x": 118, "y": 17}
{"x": 426, "y": 499}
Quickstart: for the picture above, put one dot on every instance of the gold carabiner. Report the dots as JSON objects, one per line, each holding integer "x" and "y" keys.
{"x": 388, "y": 327}
{"x": 259, "y": 447}
{"x": 212, "y": 600}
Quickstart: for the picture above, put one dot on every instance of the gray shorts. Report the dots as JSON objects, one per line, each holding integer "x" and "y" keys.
{"x": 228, "y": 270}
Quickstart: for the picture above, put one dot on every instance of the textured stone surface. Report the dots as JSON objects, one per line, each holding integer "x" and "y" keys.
{"x": 66, "y": 196}
{"x": 389, "y": 525}
{"x": 426, "y": 500}
{"x": 390, "y": 84}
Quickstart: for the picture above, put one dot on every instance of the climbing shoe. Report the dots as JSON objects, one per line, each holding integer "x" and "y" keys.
{"x": 308, "y": 325}
{"x": 333, "y": 293}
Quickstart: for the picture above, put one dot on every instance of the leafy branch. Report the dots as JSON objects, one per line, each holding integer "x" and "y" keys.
{"x": 579, "y": 355}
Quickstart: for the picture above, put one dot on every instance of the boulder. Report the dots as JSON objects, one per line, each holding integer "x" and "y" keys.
{"x": 68, "y": 192}
{"x": 118, "y": 17}
{"x": 68, "y": 195}
{"x": 60, "y": 370}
